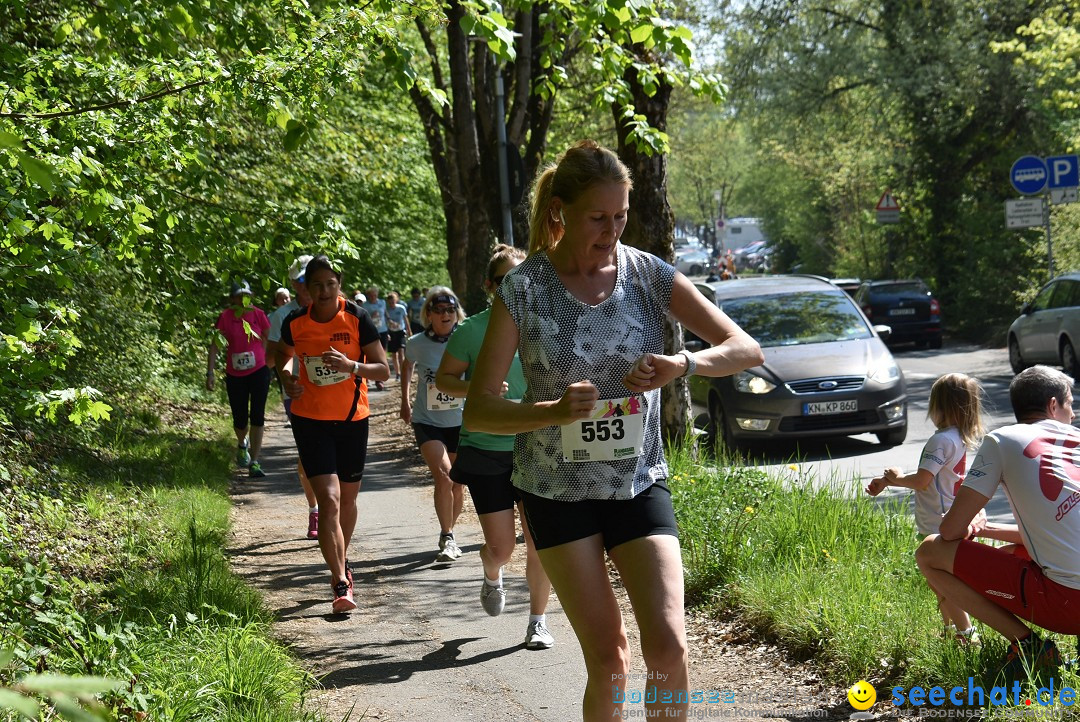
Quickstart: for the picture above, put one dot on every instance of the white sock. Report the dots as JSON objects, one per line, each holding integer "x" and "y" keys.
{"x": 313, "y": 508}
{"x": 494, "y": 582}
{"x": 538, "y": 618}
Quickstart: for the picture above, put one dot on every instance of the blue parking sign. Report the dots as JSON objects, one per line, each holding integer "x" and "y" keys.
{"x": 1062, "y": 171}
{"x": 1028, "y": 175}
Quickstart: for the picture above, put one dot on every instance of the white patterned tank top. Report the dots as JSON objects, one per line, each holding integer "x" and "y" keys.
{"x": 564, "y": 341}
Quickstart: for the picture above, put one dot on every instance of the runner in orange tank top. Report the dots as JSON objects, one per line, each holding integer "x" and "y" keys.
{"x": 338, "y": 348}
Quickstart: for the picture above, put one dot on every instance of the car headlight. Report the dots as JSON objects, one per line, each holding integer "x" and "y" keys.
{"x": 750, "y": 383}
{"x": 885, "y": 372}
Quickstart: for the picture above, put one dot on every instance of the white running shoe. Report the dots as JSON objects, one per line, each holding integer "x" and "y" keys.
{"x": 538, "y": 637}
{"x": 448, "y": 549}
{"x": 492, "y": 599}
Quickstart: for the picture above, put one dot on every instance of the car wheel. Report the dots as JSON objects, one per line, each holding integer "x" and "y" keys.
{"x": 920, "y": 343}
{"x": 1068, "y": 358}
{"x": 1015, "y": 359}
{"x": 892, "y": 437}
{"x": 695, "y": 270}
{"x": 935, "y": 342}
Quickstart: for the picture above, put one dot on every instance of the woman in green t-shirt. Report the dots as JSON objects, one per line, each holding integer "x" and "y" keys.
{"x": 485, "y": 463}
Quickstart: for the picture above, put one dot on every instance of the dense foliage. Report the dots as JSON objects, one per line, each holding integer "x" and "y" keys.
{"x": 172, "y": 147}
{"x": 153, "y": 151}
{"x": 835, "y": 102}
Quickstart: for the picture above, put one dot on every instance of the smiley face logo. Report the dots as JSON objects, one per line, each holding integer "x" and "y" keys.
{"x": 862, "y": 695}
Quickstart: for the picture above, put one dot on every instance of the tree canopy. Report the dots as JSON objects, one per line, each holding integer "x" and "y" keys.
{"x": 152, "y": 151}
{"x": 934, "y": 101}
{"x": 618, "y": 54}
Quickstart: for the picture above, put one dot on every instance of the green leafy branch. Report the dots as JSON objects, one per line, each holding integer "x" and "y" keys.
{"x": 106, "y": 106}
{"x": 73, "y": 698}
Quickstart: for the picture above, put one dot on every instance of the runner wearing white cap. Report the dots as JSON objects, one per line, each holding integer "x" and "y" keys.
{"x": 301, "y": 299}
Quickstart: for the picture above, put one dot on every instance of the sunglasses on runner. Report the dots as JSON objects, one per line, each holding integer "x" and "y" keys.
{"x": 440, "y": 310}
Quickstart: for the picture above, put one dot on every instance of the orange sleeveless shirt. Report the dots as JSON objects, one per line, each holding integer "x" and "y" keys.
{"x": 348, "y": 331}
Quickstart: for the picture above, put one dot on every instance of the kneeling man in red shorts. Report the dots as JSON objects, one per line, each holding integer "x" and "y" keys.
{"x": 1038, "y": 462}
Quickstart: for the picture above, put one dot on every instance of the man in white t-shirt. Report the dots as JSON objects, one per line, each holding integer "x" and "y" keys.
{"x": 1037, "y": 461}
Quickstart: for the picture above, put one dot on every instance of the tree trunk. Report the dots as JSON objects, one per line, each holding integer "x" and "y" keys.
{"x": 463, "y": 141}
{"x": 651, "y": 226}
{"x": 467, "y": 102}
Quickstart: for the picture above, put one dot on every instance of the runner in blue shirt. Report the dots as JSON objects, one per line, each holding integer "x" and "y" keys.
{"x": 414, "y": 305}
{"x": 397, "y": 321}
{"x": 436, "y": 417}
{"x": 376, "y": 308}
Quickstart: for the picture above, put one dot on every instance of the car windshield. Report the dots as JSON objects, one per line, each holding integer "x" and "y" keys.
{"x": 898, "y": 288}
{"x": 792, "y": 319}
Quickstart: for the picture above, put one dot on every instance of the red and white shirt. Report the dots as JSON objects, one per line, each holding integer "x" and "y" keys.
{"x": 1039, "y": 466}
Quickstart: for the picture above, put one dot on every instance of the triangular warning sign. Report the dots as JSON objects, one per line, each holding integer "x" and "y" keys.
{"x": 887, "y": 202}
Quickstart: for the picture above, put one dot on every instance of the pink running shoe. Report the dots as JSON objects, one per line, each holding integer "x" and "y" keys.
{"x": 313, "y": 525}
{"x": 343, "y": 598}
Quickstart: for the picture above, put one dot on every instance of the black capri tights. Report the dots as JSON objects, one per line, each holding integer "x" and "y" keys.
{"x": 243, "y": 390}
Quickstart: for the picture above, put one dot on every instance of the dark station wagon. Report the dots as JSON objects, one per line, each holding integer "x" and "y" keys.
{"x": 907, "y": 307}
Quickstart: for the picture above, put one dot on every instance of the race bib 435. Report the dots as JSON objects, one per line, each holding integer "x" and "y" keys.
{"x": 438, "y": 401}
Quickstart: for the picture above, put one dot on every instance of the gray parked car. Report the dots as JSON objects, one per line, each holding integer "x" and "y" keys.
{"x": 827, "y": 371}
{"x": 693, "y": 261}
{"x": 1048, "y": 330}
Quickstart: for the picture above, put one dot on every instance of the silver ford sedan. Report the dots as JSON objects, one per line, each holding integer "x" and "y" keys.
{"x": 827, "y": 371}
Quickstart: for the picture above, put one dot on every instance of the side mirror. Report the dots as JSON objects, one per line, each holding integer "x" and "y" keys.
{"x": 883, "y": 331}
{"x": 1026, "y": 309}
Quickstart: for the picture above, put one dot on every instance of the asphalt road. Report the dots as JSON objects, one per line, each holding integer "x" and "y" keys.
{"x": 849, "y": 462}
{"x": 419, "y": 647}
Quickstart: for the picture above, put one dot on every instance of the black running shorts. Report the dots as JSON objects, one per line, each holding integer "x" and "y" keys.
{"x": 448, "y": 435}
{"x": 621, "y": 520}
{"x": 331, "y": 447}
{"x": 397, "y": 341}
{"x": 487, "y": 474}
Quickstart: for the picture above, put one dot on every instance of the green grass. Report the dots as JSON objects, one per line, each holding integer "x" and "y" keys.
{"x": 112, "y": 565}
{"x": 829, "y": 575}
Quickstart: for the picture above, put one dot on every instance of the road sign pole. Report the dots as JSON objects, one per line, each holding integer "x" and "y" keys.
{"x": 1049, "y": 242}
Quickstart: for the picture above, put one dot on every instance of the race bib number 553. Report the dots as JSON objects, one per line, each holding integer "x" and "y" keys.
{"x": 614, "y": 431}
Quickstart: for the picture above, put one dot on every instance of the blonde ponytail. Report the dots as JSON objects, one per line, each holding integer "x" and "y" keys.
{"x": 544, "y": 231}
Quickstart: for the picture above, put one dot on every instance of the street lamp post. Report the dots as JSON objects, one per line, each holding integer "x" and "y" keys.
{"x": 718, "y": 224}
{"x": 504, "y": 173}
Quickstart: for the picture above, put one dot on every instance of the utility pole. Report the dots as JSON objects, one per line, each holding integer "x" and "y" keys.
{"x": 504, "y": 172}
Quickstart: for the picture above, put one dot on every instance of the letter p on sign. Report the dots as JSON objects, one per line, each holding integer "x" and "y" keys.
{"x": 1064, "y": 171}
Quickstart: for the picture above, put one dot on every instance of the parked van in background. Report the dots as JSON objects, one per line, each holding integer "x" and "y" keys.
{"x": 741, "y": 232}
